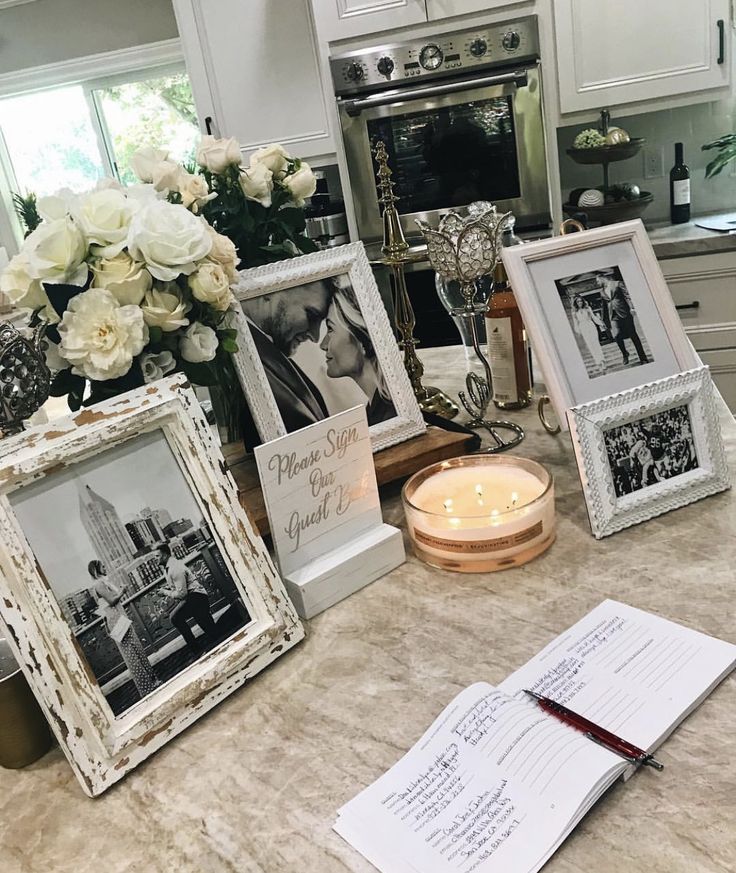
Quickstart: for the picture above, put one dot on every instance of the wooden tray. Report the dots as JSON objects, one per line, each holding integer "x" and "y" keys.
{"x": 397, "y": 462}
{"x": 610, "y": 213}
{"x": 607, "y": 154}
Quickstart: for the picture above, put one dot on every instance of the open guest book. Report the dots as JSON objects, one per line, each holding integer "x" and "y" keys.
{"x": 496, "y": 784}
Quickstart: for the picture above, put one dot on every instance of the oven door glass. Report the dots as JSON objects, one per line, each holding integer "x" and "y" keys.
{"x": 453, "y": 155}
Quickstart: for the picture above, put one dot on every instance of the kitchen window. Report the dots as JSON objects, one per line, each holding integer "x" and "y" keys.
{"x": 73, "y": 135}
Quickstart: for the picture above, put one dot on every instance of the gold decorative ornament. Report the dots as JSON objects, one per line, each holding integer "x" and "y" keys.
{"x": 396, "y": 254}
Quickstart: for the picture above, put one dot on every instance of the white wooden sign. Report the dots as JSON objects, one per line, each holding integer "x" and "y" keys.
{"x": 320, "y": 490}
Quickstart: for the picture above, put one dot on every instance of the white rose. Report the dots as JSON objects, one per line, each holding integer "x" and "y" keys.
{"x": 143, "y": 161}
{"x": 54, "y": 360}
{"x": 198, "y": 344}
{"x": 223, "y": 252}
{"x": 157, "y": 366}
{"x": 18, "y": 285}
{"x": 257, "y": 184}
{"x": 144, "y": 194}
{"x": 165, "y": 175}
{"x": 104, "y": 218}
{"x": 169, "y": 239}
{"x": 216, "y": 155}
{"x": 194, "y": 191}
{"x": 210, "y": 284}
{"x": 108, "y": 182}
{"x": 57, "y": 205}
{"x": 127, "y": 280}
{"x": 99, "y": 337}
{"x": 301, "y": 184}
{"x": 165, "y": 310}
{"x": 56, "y": 251}
{"x": 274, "y": 157}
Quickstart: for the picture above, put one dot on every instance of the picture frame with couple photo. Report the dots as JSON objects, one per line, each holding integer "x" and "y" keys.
{"x": 314, "y": 339}
{"x": 598, "y": 312}
{"x": 135, "y": 591}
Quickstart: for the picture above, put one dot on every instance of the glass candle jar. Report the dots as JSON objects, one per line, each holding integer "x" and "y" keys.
{"x": 480, "y": 513}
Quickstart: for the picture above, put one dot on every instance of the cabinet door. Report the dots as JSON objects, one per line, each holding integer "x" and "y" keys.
{"x": 613, "y": 53}
{"x": 254, "y": 71}
{"x": 341, "y": 19}
{"x": 437, "y": 9}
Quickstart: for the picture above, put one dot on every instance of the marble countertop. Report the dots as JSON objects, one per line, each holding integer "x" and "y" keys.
{"x": 254, "y": 786}
{"x": 682, "y": 240}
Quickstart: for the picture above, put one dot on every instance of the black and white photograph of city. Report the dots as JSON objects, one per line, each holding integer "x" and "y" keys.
{"x": 133, "y": 565}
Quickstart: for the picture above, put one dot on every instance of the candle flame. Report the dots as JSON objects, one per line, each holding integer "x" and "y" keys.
{"x": 514, "y": 498}
{"x": 448, "y": 504}
{"x": 454, "y": 522}
{"x": 479, "y": 490}
{"x": 494, "y": 513}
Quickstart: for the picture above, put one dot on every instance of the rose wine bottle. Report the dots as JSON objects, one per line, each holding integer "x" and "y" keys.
{"x": 679, "y": 188}
{"x": 507, "y": 345}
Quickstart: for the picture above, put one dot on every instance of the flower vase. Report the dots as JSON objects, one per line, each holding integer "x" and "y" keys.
{"x": 228, "y": 407}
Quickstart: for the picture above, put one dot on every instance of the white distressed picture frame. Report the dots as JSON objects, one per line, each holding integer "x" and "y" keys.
{"x": 101, "y": 747}
{"x": 350, "y": 260}
{"x": 609, "y": 513}
{"x": 518, "y": 261}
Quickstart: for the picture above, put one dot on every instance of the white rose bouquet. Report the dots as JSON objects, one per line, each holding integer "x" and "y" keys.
{"x": 260, "y": 208}
{"x": 132, "y": 286}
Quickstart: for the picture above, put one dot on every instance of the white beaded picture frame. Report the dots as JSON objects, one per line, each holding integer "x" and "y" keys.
{"x": 350, "y": 264}
{"x": 45, "y": 629}
{"x": 646, "y": 451}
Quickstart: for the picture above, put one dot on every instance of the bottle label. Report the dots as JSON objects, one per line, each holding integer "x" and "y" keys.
{"x": 501, "y": 355}
{"x": 681, "y": 193}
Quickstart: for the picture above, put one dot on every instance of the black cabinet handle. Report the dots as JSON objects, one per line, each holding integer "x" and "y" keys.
{"x": 721, "y": 25}
{"x": 208, "y": 124}
{"x": 694, "y": 305}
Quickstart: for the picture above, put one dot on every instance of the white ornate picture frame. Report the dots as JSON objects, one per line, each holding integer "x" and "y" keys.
{"x": 347, "y": 264}
{"x": 643, "y": 452}
{"x": 548, "y": 275}
{"x": 45, "y": 623}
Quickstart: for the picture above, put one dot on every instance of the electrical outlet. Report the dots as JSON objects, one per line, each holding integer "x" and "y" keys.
{"x": 654, "y": 162}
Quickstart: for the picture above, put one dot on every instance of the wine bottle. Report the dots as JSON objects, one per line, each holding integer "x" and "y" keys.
{"x": 679, "y": 188}
{"x": 507, "y": 345}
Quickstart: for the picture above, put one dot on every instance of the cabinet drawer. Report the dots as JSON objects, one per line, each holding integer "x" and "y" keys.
{"x": 722, "y": 363}
{"x": 703, "y": 288}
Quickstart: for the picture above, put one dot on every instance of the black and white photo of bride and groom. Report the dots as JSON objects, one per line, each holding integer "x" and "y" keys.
{"x": 604, "y": 322}
{"x": 134, "y": 566}
{"x": 317, "y": 352}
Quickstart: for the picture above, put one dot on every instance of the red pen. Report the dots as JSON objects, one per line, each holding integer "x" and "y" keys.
{"x": 595, "y": 732}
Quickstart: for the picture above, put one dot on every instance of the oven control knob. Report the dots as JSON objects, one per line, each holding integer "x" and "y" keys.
{"x": 511, "y": 41}
{"x": 385, "y": 66}
{"x": 431, "y": 57}
{"x": 478, "y": 47}
{"x": 355, "y": 72}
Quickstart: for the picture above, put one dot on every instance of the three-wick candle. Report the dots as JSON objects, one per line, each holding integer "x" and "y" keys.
{"x": 480, "y": 513}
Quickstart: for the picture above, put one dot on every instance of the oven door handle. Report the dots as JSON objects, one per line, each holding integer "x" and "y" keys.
{"x": 400, "y": 95}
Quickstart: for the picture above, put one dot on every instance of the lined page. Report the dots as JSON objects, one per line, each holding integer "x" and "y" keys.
{"x": 631, "y": 672}
{"x": 491, "y": 786}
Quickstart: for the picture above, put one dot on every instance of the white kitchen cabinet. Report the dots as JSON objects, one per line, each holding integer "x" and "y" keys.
{"x": 704, "y": 290}
{"x": 614, "y": 53}
{"x": 255, "y": 72}
{"x": 342, "y": 19}
{"x": 438, "y": 9}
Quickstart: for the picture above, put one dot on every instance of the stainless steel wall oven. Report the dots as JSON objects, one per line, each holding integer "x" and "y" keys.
{"x": 461, "y": 117}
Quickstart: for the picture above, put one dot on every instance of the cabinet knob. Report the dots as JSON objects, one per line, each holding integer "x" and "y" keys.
{"x": 720, "y": 24}
{"x": 208, "y": 124}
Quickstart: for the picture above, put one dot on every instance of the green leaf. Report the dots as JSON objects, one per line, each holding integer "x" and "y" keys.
{"x": 66, "y": 382}
{"x": 154, "y": 334}
{"x": 229, "y": 346}
{"x": 204, "y": 373}
{"x": 60, "y": 296}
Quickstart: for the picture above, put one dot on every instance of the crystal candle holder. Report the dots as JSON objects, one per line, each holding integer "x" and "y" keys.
{"x": 480, "y": 513}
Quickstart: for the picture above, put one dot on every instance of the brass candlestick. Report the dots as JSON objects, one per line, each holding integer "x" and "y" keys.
{"x": 396, "y": 255}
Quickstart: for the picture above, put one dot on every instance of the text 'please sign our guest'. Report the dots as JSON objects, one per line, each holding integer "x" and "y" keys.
{"x": 320, "y": 488}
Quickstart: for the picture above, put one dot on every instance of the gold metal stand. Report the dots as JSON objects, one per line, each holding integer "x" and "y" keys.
{"x": 396, "y": 254}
